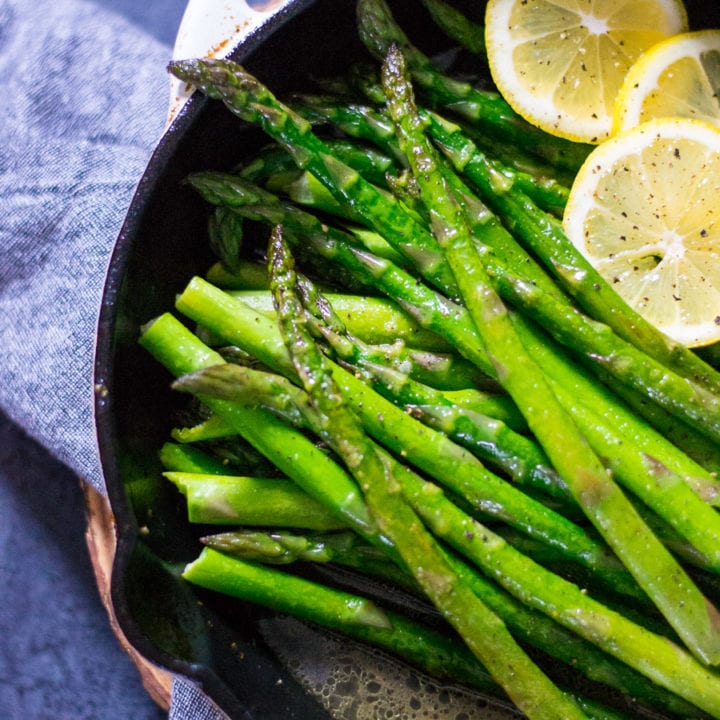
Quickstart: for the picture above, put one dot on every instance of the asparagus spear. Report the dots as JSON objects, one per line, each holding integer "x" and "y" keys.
{"x": 175, "y": 347}
{"x": 262, "y": 584}
{"x": 458, "y": 27}
{"x": 274, "y": 163}
{"x": 305, "y": 189}
{"x": 185, "y": 458}
{"x": 487, "y": 436}
{"x": 696, "y": 405}
{"x": 615, "y": 518}
{"x": 367, "y": 123}
{"x": 378, "y": 30}
{"x": 374, "y": 320}
{"x": 256, "y": 203}
{"x": 530, "y": 627}
{"x": 225, "y": 233}
{"x": 211, "y": 428}
{"x": 283, "y": 547}
{"x": 598, "y": 344}
{"x": 483, "y": 632}
{"x": 451, "y": 322}
{"x": 253, "y": 102}
{"x": 697, "y": 446}
{"x": 240, "y": 500}
{"x": 564, "y": 602}
{"x": 429, "y": 650}
{"x": 428, "y": 449}
{"x": 247, "y": 276}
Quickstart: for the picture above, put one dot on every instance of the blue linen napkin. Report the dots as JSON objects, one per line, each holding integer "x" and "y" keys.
{"x": 84, "y": 102}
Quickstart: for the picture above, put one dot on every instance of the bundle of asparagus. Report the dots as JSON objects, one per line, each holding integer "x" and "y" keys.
{"x": 487, "y": 426}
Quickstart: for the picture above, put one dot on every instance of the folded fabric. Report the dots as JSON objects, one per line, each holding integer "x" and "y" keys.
{"x": 88, "y": 99}
{"x": 85, "y": 97}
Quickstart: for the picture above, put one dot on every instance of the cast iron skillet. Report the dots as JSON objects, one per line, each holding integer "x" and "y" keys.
{"x": 215, "y": 642}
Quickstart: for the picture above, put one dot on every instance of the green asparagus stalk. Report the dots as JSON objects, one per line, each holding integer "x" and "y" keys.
{"x": 613, "y": 429}
{"x": 367, "y": 123}
{"x": 697, "y": 446}
{"x": 483, "y": 632}
{"x": 211, "y": 428}
{"x": 434, "y": 507}
{"x": 598, "y": 344}
{"x": 175, "y": 347}
{"x": 275, "y": 163}
{"x": 429, "y": 650}
{"x": 185, "y": 458}
{"x": 253, "y": 102}
{"x": 615, "y": 518}
{"x": 214, "y": 570}
{"x": 530, "y": 627}
{"x": 378, "y": 30}
{"x": 239, "y": 500}
{"x": 451, "y": 322}
{"x": 247, "y": 276}
{"x": 225, "y": 233}
{"x": 283, "y": 547}
{"x": 305, "y": 189}
{"x": 374, "y": 320}
{"x": 252, "y": 201}
{"x": 458, "y": 27}
{"x": 428, "y": 449}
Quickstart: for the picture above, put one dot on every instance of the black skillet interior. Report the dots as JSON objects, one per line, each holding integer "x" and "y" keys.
{"x": 162, "y": 243}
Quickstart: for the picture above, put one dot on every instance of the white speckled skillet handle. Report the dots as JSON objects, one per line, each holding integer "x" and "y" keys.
{"x": 212, "y": 28}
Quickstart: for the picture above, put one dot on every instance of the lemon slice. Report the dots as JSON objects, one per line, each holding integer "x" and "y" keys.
{"x": 560, "y": 63}
{"x": 645, "y": 211}
{"x": 677, "y": 77}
